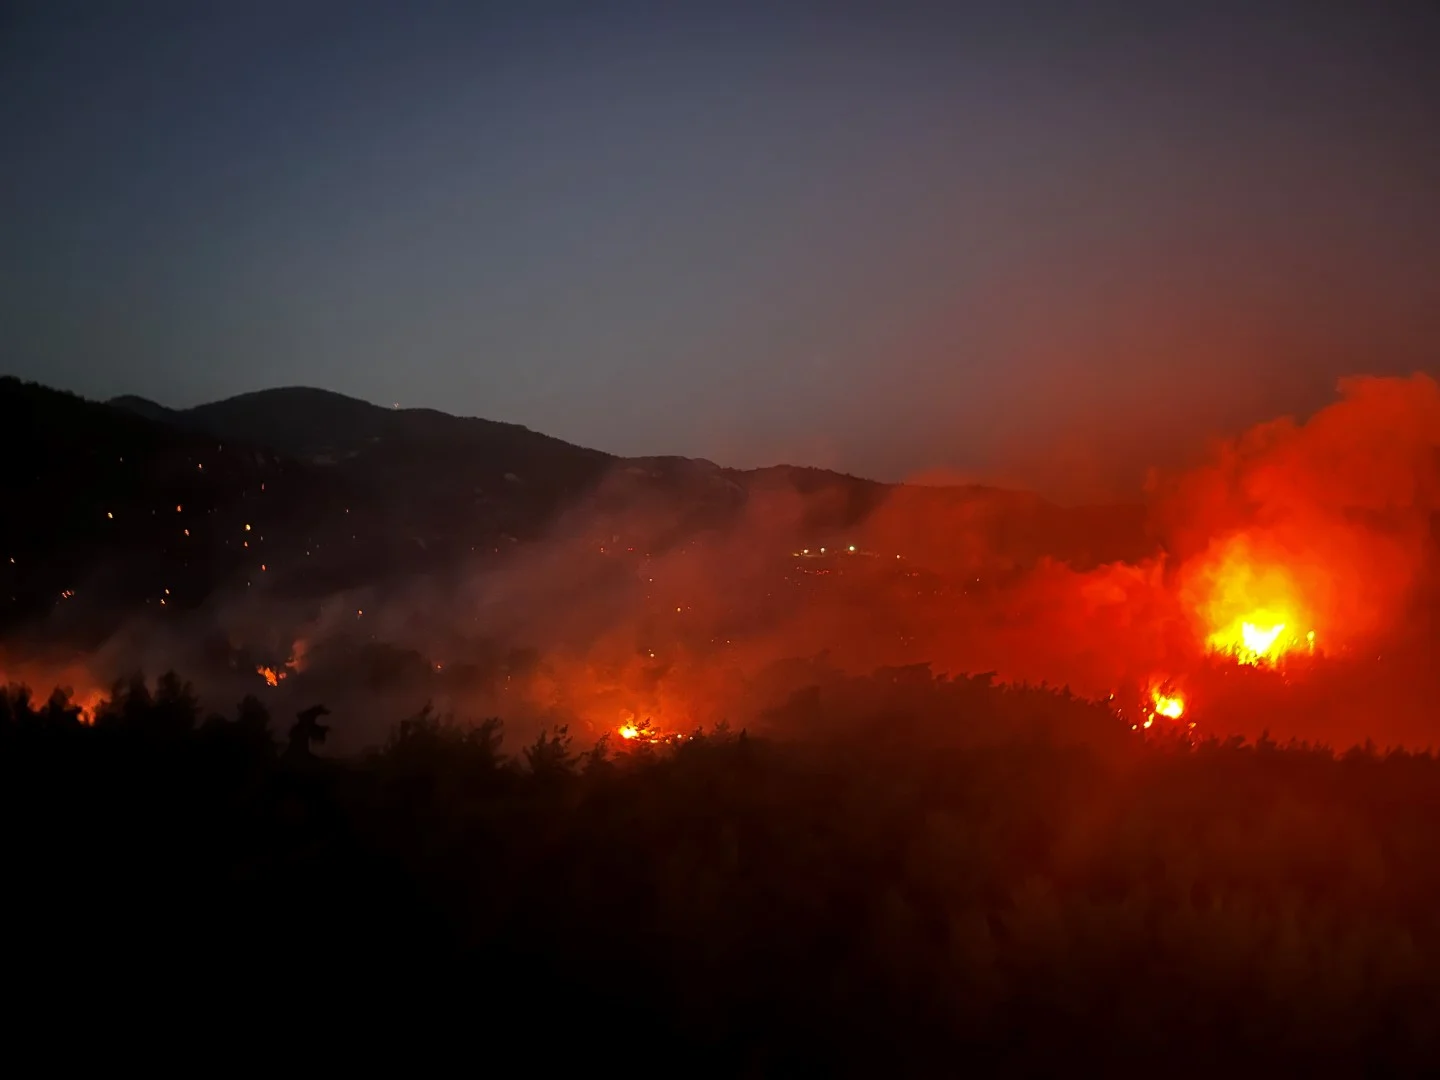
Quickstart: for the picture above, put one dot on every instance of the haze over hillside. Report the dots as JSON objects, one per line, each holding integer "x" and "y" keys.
{"x": 328, "y": 427}
{"x": 425, "y": 448}
{"x": 130, "y": 499}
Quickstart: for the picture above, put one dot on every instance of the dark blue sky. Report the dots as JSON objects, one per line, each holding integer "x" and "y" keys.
{"x": 1042, "y": 242}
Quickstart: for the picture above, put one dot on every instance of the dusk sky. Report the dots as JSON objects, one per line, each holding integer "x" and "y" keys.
{"x": 1041, "y": 243}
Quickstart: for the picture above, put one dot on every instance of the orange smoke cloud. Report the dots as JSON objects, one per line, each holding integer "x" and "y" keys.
{"x": 1319, "y": 526}
{"x": 1289, "y": 529}
{"x": 42, "y": 679}
{"x": 671, "y": 599}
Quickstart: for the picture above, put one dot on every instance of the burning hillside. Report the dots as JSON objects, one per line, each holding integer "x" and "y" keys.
{"x": 1298, "y": 550}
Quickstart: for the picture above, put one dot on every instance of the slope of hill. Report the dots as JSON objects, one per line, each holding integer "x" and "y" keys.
{"x": 133, "y": 507}
{"x": 111, "y": 511}
{"x": 118, "y": 510}
{"x": 427, "y": 473}
{"x": 430, "y": 465}
{"x": 327, "y": 428}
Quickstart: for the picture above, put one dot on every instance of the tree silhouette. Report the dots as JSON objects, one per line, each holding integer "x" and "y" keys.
{"x": 550, "y": 756}
{"x": 307, "y": 730}
{"x": 965, "y": 890}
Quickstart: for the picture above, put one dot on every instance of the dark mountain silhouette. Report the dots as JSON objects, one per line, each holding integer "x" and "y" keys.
{"x": 433, "y": 457}
{"x": 114, "y": 511}
{"x": 131, "y": 506}
{"x": 419, "y": 475}
{"x": 327, "y": 428}
{"x": 150, "y": 410}
{"x": 109, "y": 510}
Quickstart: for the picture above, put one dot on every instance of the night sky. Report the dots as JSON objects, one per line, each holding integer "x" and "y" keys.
{"x": 1037, "y": 243}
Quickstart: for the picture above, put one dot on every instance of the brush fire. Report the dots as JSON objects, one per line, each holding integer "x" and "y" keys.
{"x": 1292, "y": 536}
{"x": 636, "y": 732}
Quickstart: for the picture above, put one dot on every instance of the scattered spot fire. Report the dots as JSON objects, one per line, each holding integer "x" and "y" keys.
{"x": 1168, "y": 705}
{"x": 274, "y": 676}
{"x": 72, "y": 683}
{"x": 637, "y": 732}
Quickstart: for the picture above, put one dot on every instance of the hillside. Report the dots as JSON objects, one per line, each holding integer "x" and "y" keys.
{"x": 113, "y": 511}
{"x": 129, "y": 510}
{"x": 299, "y": 492}
{"x": 433, "y": 464}
{"x": 326, "y": 428}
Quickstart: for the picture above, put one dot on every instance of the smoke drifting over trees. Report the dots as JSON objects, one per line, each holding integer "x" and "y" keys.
{"x": 690, "y": 594}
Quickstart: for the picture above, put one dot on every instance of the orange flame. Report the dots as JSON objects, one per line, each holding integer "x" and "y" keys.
{"x": 1251, "y": 607}
{"x": 74, "y": 683}
{"x": 1168, "y": 705}
{"x": 638, "y": 732}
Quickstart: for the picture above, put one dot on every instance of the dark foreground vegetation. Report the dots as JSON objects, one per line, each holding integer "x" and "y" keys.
{"x": 868, "y": 905}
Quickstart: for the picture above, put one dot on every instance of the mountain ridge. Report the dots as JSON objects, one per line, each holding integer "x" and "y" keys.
{"x": 394, "y": 450}
{"x": 139, "y": 507}
{"x": 235, "y": 417}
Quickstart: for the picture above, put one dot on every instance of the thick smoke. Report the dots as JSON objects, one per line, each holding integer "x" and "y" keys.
{"x": 1333, "y": 513}
{"x": 673, "y": 595}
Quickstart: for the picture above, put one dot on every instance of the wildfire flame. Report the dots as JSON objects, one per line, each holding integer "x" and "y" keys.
{"x": 637, "y": 732}
{"x": 77, "y": 687}
{"x": 1251, "y": 606}
{"x": 1164, "y": 702}
{"x": 295, "y": 664}
{"x": 1261, "y": 637}
{"x": 1169, "y": 705}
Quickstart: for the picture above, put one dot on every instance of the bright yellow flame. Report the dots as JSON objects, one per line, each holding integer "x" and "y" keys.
{"x": 1250, "y": 605}
{"x": 1262, "y": 636}
{"x": 1171, "y": 705}
{"x": 643, "y": 732}
{"x": 1259, "y": 640}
